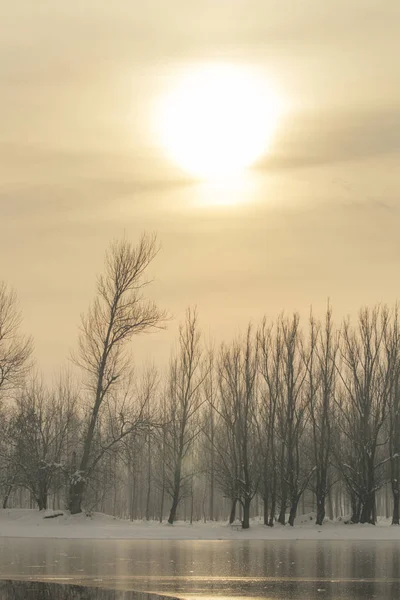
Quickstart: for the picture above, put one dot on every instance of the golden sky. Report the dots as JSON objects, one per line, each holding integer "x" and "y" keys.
{"x": 318, "y": 216}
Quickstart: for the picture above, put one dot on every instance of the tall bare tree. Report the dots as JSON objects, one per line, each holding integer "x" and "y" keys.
{"x": 118, "y": 312}
{"x": 238, "y": 465}
{"x": 392, "y": 344}
{"x": 271, "y": 355}
{"x": 320, "y": 361}
{"x": 366, "y": 375}
{"x": 292, "y": 416}
{"x": 184, "y": 399}
{"x": 209, "y": 416}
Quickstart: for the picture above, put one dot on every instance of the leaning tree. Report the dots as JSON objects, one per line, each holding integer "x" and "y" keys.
{"x": 119, "y": 312}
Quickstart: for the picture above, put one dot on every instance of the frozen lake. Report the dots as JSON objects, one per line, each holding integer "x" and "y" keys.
{"x": 209, "y": 569}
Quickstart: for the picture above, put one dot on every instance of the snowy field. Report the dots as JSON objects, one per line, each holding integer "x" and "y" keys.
{"x": 32, "y": 524}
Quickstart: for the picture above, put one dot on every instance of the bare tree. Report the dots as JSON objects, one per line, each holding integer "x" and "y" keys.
{"x": 320, "y": 360}
{"x": 118, "y": 313}
{"x": 209, "y": 417}
{"x": 271, "y": 355}
{"x": 15, "y": 348}
{"x": 151, "y": 387}
{"x": 183, "y": 403}
{"x": 292, "y": 417}
{"x": 366, "y": 375}
{"x": 392, "y": 350}
{"x": 8, "y": 464}
{"x": 160, "y": 448}
{"x": 38, "y": 431}
{"x": 236, "y": 442}
{"x": 118, "y": 467}
{"x": 224, "y": 440}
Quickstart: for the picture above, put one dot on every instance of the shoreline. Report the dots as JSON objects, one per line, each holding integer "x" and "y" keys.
{"x": 31, "y": 524}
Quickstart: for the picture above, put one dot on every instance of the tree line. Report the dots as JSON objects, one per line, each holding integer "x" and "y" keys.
{"x": 287, "y": 413}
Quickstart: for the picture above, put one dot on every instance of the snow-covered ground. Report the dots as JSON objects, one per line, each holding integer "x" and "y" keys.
{"x": 31, "y": 524}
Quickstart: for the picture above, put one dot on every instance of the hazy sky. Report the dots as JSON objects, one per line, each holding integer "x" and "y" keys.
{"x": 79, "y": 163}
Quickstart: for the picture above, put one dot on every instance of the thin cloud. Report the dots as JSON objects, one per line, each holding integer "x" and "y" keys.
{"x": 333, "y": 138}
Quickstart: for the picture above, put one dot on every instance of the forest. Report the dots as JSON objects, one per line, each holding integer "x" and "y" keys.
{"x": 292, "y": 416}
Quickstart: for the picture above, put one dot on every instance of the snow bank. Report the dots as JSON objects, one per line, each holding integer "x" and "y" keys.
{"x": 32, "y": 524}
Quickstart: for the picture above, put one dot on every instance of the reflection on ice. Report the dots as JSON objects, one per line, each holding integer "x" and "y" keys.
{"x": 209, "y": 569}
{"x": 38, "y": 590}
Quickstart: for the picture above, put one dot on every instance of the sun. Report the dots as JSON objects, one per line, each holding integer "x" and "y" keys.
{"x": 218, "y": 121}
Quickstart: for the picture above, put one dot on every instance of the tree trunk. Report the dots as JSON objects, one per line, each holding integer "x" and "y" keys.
{"x": 132, "y": 498}
{"x": 212, "y": 467}
{"x": 42, "y": 503}
{"x": 163, "y": 472}
{"x": 387, "y": 503}
{"x": 355, "y": 509}
{"x": 282, "y": 512}
{"x": 320, "y": 508}
{"x": 7, "y": 495}
{"x": 211, "y": 508}
{"x": 321, "y": 495}
{"x": 266, "y": 512}
{"x": 331, "y": 515}
{"x": 148, "y": 494}
{"x": 42, "y": 496}
{"x": 367, "y": 512}
{"x": 162, "y": 503}
{"x": 191, "y": 502}
{"x": 246, "y": 513}
{"x": 338, "y": 500}
{"x": 174, "y": 507}
{"x": 395, "y": 487}
{"x": 293, "y": 511}
{"x": 284, "y": 495}
{"x": 273, "y": 499}
{"x": 368, "y": 509}
{"x": 272, "y": 511}
{"x": 76, "y": 490}
{"x": 177, "y": 489}
{"x": 396, "y": 507}
{"x": 232, "y": 515}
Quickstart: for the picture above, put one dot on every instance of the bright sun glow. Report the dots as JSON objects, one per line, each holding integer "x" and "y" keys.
{"x": 218, "y": 121}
